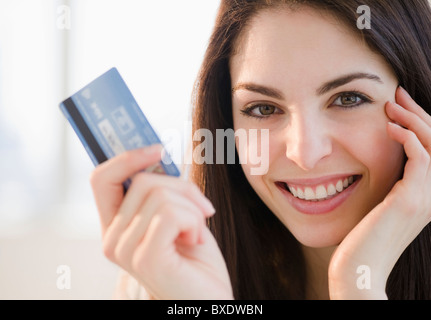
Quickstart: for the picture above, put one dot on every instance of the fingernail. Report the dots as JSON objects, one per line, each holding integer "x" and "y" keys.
{"x": 395, "y": 104}
{"x": 209, "y": 207}
{"x": 405, "y": 92}
{"x": 394, "y": 125}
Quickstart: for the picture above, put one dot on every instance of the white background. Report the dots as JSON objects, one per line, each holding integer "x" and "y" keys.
{"x": 47, "y": 214}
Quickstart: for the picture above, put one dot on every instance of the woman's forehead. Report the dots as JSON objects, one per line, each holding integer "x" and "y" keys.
{"x": 278, "y": 44}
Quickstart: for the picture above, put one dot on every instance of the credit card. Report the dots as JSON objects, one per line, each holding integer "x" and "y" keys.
{"x": 108, "y": 121}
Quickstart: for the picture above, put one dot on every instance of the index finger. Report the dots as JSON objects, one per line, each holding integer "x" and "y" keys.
{"x": 107, "y": 179}
{"x": 404, "y": 99}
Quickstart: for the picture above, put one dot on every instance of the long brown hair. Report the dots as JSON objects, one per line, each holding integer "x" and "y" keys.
{"x": 264, "y": 260}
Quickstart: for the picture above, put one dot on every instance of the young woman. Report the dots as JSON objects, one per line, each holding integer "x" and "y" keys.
{"x": 343, "y": 210}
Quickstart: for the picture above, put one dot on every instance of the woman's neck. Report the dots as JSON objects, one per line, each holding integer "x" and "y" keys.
{"x": 317, "y": 263}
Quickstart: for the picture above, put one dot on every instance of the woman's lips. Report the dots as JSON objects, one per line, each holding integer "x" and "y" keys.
{"x": 319, "y": 196}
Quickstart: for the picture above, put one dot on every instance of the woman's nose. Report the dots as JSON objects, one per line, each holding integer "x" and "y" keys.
{"x": 308, "y": 141}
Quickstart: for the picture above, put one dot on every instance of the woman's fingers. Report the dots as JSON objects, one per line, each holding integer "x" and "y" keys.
{"x": 414, "y": 132}
{"x": 404, "y": 99}
{"x": 170, "y": 226}
{"x": 126, "y": 218}
{"x": 143, "y": 183}
{"x": 412, "y": 121}
{"x": 157, "y": 230}
{"x": 157, "y": 187}
{"x": 120, "y": 247}
{"x": 107, "y": 179}
{"x": 416, "y": 168}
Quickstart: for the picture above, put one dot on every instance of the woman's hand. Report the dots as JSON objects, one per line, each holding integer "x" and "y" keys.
{"x": 378, "y": 241}
{"x": 157, "y": 231}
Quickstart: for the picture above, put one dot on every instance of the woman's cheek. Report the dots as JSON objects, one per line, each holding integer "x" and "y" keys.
{"x": 382, "y": 157}
{"x": 253, "y": 147}
{"x": 255, "y": 159}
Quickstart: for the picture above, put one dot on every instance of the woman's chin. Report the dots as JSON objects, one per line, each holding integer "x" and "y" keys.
{"x": 319, "y": 241}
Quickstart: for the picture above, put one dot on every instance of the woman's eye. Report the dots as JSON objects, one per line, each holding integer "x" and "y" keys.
{"x": 351, "y": 99}
{"x": 266, "y": 110}
{"x": 260, "y": 111}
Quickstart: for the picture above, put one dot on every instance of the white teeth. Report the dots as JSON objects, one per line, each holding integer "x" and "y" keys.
{"x": 339, "y": 186}
{"x": 295, "y": 194}
{"x": 309, "y": 194}
{"x": 322, "y": 192}
{"x": 300, "y": 194}
{"x": 331, "y": 190}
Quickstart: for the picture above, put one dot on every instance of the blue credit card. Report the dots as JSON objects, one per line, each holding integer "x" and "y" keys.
{"x": 108, "y": 121}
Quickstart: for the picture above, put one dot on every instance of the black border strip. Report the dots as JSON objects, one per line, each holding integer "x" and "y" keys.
{"x": 86, "y": 133}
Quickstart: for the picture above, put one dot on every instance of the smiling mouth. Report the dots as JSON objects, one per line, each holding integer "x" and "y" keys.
{"x": 321, "y": 192}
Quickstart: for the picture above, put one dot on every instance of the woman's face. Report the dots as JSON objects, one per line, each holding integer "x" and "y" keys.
{"x": 321, "y": 93}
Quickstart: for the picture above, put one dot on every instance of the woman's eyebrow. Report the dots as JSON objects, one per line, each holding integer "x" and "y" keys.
{"x": 330, "y": 85}
{"x": 266, "y": 91}
{"x": 326, "y": 87}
